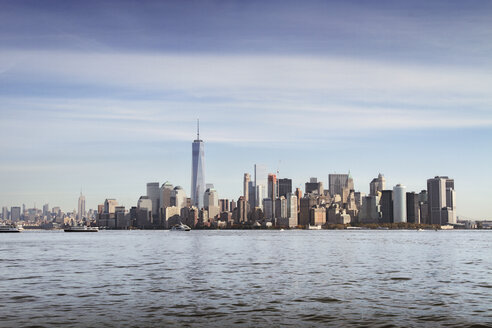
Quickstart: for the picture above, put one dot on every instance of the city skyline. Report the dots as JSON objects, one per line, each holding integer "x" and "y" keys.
{"x": 107, "y": 99}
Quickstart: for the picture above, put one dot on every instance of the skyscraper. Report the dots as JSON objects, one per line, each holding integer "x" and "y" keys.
{"x": 81, "y": 208}
{"x": 386, "y": 202}
{"x": 284, "y": 187}
{"x": 441, "y": 200}
{"x": 377, "y": 185}
{"x": 246, "y": 181}
{"x": 197, "y": 170}
{"x": 272, "y": 191}
{"x": 399, "y": 204}
{"x": 153, "y": 194}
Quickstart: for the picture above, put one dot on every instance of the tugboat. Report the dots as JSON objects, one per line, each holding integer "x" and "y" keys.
{"x": 180, "y": 227}
{"x": 11, "y": 228}
{"x": 81, "y": 229}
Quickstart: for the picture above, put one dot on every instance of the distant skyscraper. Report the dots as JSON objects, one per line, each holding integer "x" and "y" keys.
{"x": 272, "y": 192}
{"x": 399, "y": 204}
{"x": 377, "y": 185}
{"x": 5, "y": 213}
{"x": 313, "y": 186}
{"x": 178, "y": 197}
{"x": 441, "y": 200}
{"x": 386, "y": 203}
{"x": 198, "y": 171}
{"x": 284, "y": 187}
{"x": 46, "y": 209}
{"x": 165, "y": 195}
{"x": 413, "y": 208}
{"x": 110, "y": 205}
{"x": 260, "y": 182}
{"x": 153, "y": 194}
{"x": 337, "y": 183}
{"x": 81, "y": 207}
{"x": 15, "y": 213}
{"x": 246, "y": 182}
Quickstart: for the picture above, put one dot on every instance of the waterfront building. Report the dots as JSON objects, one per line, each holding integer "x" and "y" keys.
{"x": 317, "y": 215}
{"x": 399, "y": 204}
{"x": 189, "y": 216}
{"x": 81, "y": 207}
{"x": 171, "y": 216}
{"x": 198, "y": 170}
{"x": 386, "y": 202}
{"x": 370, "y": 211}
{"x": 377, "y": 185}
{"x": 441, "y": 200}
{"x": 306, "y": 203}
{"x": 413, "y": 207}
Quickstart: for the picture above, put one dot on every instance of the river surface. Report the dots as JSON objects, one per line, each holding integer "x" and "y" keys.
{"x": 246, "y": 278}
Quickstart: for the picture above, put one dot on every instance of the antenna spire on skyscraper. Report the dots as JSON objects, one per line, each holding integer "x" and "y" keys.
{"x": 197, "y": 129}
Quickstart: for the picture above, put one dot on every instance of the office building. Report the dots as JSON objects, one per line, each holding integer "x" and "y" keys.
{"x": 386, "y": 203}
{"x": 338, "y": 182}
{"x": 413, "y": 208}
{"x": 246, "y": 182}
{"x": 292, "y": 210}
{"x": 178, "y": 197}
{"x": 260, "y": 195}
{"x": 399, "y": 203}
{"x": 153, "y": 192}
{"x": 15, "y": 213}
{"x": 5, "y": 213}
{"x": 370, "y": 211}
{"x": 314, "y": 187}
{"x": 272, "y": 192}
{"x": 110, "y": 204}
{"x": 441, "y": 200}
{"x": 46, "y": 209}
{"x": 198, "y": 171}
{"x": 377, "y": 185}
{"x": 284, "y": 187}
{"x": 81, "y": 207}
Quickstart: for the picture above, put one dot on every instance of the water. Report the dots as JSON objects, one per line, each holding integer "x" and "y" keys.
{"x": 246, "y": 278}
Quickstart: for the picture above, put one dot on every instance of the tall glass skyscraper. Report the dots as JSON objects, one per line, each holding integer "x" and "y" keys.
{"x": 198, "y": 170}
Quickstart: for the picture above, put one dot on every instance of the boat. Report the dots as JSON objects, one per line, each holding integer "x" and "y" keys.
{"x": 11, "y": 228}
{"x": 81, "y": 229}
{"x": 180, "y": 227}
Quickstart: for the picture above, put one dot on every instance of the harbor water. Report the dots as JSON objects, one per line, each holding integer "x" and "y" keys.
{"x": 246, "y": 278}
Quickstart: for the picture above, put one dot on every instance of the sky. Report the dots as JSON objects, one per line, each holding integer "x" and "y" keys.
{"x": 103, "y": 96}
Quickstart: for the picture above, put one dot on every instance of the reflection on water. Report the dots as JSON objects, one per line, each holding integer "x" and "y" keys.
{"x": 246, "y": 278}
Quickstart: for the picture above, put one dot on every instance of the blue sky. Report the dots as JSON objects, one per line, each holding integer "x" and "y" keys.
{"x": 103, "y": 95}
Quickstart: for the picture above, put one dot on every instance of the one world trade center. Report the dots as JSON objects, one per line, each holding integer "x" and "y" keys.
{"x": 198, "y": 170}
